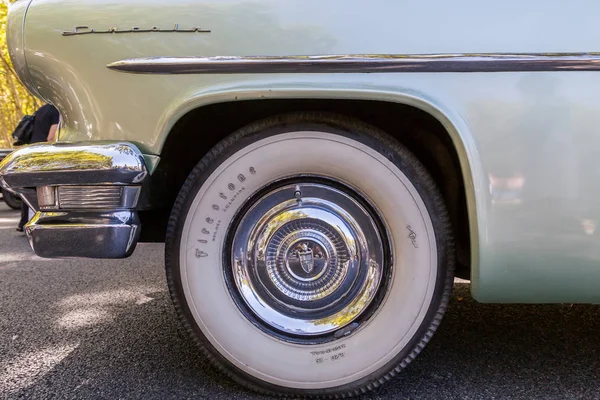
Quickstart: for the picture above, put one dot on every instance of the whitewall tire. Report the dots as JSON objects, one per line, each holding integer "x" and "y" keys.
{"x": 310, "y": 255}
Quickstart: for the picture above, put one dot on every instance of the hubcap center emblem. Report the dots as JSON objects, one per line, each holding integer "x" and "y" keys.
{"x": 306, "y": 260}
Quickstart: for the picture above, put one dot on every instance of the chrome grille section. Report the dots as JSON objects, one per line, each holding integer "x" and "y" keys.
{"x": 80, "y": 197}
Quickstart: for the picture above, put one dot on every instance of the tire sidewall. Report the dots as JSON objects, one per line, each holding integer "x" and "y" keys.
{"x": 417, "y": 180}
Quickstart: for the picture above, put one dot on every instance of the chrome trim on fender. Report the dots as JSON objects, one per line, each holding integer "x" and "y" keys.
{"x": 376, "y": 63}
{"x": 111, "y": 234}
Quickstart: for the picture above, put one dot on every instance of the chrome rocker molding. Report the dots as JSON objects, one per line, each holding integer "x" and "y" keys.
{"x": 377, "y": 63}
{"x": 68, "y": 229}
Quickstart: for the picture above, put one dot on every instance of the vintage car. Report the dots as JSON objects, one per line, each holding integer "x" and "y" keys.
{"x": 318, "y": 169}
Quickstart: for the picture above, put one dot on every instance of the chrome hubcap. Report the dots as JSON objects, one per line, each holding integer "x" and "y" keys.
{"x": 307, "y": 258}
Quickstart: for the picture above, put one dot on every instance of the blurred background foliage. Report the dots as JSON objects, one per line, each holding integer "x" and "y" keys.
{"x": 15, "y": 100}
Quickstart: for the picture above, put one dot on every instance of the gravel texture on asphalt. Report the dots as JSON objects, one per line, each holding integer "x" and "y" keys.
{"x": 105, "y": 329}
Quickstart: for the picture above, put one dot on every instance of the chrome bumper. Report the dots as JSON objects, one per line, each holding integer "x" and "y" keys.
{"x": 85, "y": 196}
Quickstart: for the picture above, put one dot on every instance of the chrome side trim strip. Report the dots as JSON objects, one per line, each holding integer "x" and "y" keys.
{"x": 376, "y": 63}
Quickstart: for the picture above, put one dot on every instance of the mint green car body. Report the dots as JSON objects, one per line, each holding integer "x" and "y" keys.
{"x": 527, "y": 141}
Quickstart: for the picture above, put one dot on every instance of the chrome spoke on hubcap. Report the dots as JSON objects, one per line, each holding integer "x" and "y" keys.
{"x": 307, "y": 258}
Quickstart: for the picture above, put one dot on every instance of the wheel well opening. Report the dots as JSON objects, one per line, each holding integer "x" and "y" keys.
{"x": 201, "y": 129}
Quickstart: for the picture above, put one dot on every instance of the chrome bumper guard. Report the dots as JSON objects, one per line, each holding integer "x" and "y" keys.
{"x": 85, "y": 196}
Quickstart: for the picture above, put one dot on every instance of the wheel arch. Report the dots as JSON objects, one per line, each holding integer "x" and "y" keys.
{"x": 198, "y": 123}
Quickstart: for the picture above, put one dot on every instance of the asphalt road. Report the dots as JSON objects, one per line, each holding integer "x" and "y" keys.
{"x": 83, "y": 329}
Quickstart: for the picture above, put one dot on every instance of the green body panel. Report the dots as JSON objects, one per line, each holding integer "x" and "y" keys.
{"x": 528, "y": 142}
